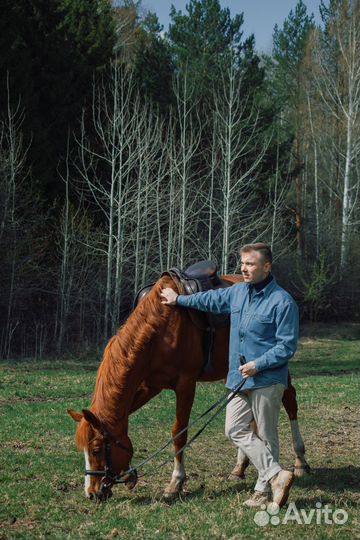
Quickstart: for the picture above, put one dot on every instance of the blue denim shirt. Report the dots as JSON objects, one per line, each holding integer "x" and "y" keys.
{"x": 264, "y": 328}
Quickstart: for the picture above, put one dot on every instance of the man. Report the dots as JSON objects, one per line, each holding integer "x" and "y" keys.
{"x": 263, "y": 330}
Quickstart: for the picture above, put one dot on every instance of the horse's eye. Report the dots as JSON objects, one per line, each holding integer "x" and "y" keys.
{"x": 96, "y": 451}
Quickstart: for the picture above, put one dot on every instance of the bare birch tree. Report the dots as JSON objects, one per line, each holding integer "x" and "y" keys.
{"x": 12, "y": 177}
{"x": 122, "y": 176}
{"x": 105, "y": 173}
{"x": 76, "y": 267}
{"x": 184, "y": 156}
{"x": 339, "y": 89}
{"x": 237, "y": 125}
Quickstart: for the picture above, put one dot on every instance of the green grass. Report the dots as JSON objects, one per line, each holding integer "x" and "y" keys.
{"x": 41, "y": 472}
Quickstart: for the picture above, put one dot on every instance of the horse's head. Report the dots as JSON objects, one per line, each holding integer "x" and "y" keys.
{"x": 107, "y": 458}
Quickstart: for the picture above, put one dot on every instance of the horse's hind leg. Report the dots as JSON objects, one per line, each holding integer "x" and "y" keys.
{"x": 185, "y": 393}
{"x": 242, "y": 463}
{"x": 291, "y": 407}
{"x": 238, "y": 472}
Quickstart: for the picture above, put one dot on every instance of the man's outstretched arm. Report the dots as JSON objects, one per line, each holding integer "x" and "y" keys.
{"x": 214, "y": 301}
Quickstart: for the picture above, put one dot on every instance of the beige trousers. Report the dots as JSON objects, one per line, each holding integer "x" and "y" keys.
{"x": 262, "y": 448}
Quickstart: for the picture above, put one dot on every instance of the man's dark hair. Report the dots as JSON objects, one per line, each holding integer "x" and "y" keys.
{"x": 262, "y": 248}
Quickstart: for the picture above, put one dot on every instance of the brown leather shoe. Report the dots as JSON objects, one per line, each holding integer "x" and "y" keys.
{"x": 258, "y": 498}
{"x": 280, "y": 485}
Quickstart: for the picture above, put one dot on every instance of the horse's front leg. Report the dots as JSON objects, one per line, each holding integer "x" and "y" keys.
{"x": 143, "y": 394}
{"x": 185, "y": 393}
{"x": 291, "y": 407}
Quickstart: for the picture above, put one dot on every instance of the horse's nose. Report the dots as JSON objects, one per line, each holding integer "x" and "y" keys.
{"x": 103, "y": 495}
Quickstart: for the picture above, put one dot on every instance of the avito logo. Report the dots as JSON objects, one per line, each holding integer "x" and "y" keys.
{"x": 319, "y": 515}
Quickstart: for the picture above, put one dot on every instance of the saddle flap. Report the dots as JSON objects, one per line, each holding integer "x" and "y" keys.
{"x": 140, "y": 295}
{"x": 191, "y": 286}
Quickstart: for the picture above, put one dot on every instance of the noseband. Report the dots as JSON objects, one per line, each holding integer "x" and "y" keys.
{"x": 108, "y": 477}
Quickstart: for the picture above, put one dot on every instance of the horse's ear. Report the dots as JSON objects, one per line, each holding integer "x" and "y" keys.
{"x": 92, "y": 419}
{"x": 75, "y": 415}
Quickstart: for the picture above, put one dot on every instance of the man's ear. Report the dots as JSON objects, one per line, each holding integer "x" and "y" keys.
{"x": 75, "y": 415}
{"x": 93, "y": 420}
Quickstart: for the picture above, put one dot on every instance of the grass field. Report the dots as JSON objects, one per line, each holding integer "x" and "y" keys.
{"x": 42, "y": 473}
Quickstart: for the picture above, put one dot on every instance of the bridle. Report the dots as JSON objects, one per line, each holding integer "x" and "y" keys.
{"x": 108, "y": 477}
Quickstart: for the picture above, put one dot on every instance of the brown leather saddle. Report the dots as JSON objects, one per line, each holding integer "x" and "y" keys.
{"x": 199, "y": 277}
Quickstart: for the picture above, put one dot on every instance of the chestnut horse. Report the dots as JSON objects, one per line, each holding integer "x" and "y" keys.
{"x": 158, "y": 347}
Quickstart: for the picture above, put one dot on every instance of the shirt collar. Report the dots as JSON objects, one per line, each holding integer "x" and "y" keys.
{"x": 265, "y": 291}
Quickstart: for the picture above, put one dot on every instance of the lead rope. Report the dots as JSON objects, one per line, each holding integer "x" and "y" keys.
{"x": 228, "y": 398}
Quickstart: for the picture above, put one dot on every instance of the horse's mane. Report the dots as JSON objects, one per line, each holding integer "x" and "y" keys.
{"x": 122, "y": 354}
{"x": 143, "y": 323}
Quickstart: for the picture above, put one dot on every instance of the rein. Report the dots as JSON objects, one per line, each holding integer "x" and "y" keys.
{"x": 108, "y": 476}
{"x": 198, "y": 433}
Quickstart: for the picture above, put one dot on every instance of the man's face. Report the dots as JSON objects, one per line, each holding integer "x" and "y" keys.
{"x": 253, "y": 267}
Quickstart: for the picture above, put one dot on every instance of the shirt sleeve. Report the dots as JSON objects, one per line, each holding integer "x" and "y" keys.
{"x": 214, "y": 301}
{"x": 287, "y": 333}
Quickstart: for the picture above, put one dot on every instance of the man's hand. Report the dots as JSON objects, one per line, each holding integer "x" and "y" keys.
{"x": 248, "y": 370}
{"x": 168, "y": 296}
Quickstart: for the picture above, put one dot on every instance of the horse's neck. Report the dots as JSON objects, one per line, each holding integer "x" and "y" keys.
{"x": 124, "y": 366}
{"x": 126, "y": 360}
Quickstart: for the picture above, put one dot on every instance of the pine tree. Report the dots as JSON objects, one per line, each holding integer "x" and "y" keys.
{"x": 52, "y": 50}
{"x": 202, "y": 39}
{"x": 153, "y": 64}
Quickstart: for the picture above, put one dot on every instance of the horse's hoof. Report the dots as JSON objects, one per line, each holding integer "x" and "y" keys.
{"x": 238, "y": 472}
{"x": 301, "y": 471}
{"x": 170, "y": 496}
{"x": 236, "y": 477}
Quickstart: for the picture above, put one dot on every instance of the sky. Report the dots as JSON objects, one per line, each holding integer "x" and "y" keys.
{"x": 260, "y": 16}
